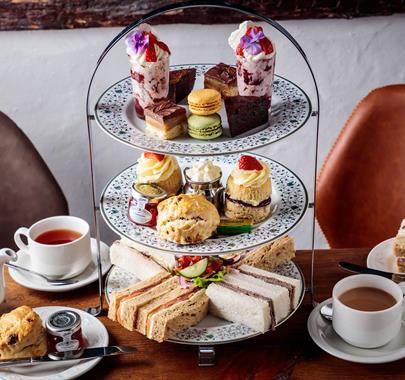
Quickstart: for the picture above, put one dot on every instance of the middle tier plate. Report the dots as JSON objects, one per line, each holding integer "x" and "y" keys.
{"x": 289, "y": 203}
{"x": 115, "y": 114}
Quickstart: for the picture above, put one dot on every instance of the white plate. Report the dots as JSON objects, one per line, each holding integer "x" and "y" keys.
{"x": 324, "y": 336}
{"x": 114, "y": 113}
{"x": 381, "y": 257}
{"x": 289, "y": 203}
{"x": 89, "y": 275}
{"x": 211, "y": 330}
{"x": 96, "y": 335}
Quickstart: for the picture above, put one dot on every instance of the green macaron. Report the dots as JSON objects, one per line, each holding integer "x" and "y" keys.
{"x": 205, "y": 127}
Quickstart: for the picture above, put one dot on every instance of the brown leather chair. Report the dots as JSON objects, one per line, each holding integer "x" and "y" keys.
{"x": 28, "y": 190}
{"x": 361, "y": 187}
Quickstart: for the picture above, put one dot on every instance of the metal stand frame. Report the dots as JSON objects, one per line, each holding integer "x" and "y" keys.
{"x": 206, "y": 353}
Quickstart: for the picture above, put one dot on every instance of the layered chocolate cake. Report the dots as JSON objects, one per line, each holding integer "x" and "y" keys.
{"x": 222, "y": 78}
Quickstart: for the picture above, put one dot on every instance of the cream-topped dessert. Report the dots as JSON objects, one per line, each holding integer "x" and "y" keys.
{"x": 255, "y": 56}
{"x": 149, "y": 59}
{"x": 248, "y": 190}
{"x": 162, "y": 170}
{"x": 204, "y": 171}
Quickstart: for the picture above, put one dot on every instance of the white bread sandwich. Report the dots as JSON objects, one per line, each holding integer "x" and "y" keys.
{"x": 158, "y": 307}
{"x": 141, "y": 263}
{"x": 293, "y": 285}
{"x": 248, "y": 300}
{"x": 399, "y": 247}
{"x": 271, "y": 255}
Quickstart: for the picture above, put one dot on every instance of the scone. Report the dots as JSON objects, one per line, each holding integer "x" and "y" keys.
{"x": 162, "y": 170}
{"x": 186, "y": 219}
{"x": 248, "y": 190}
{"x": 22, "y": 334}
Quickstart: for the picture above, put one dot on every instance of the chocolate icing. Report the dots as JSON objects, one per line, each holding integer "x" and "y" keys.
{"x": 164, "y": 110}
{"x": 223, "y": 73}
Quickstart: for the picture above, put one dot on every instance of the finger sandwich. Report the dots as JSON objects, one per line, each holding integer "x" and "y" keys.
{"x": 158, "y": 307}
{"x": 253, "y": 297}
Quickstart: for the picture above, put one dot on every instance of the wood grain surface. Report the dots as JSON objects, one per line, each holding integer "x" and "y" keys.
{"x": 60, "y": 14}
{"x": 285, "y": 353}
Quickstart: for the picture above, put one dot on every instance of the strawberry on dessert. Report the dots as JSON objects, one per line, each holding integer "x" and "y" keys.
{"x": 159, "y": 169}
{"x": 249, "y": 163}
{"x": 255, "y": 59}
{"x": 248, "y": 190}
{"x": 149, "y": 59}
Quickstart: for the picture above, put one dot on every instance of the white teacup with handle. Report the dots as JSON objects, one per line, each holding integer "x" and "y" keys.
{"x": 57, "y": 260}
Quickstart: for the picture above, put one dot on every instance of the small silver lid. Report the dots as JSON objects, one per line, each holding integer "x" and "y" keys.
{"x": 63, "y": 320}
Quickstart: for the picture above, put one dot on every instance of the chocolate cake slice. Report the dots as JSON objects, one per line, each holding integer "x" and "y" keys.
{"x": 222, "y": 78}
{"x": 246, "y": 113}
{"x": 181, "y": 83}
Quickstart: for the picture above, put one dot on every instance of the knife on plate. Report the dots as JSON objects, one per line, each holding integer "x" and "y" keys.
{"x": 87, "y": 353}
{"x": 360, "y": 269}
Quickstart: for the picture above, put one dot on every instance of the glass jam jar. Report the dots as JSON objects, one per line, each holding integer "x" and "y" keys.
{"x": 142, "y": 207}
{"x": 64, "y": 330}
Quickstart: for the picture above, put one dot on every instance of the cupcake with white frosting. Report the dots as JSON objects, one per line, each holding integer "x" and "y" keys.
{"x": 159, "y": 169}
{"x": 248, "y": 190}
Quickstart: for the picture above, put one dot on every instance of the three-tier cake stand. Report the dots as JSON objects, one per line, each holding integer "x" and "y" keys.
{"x": 292, "y": 162}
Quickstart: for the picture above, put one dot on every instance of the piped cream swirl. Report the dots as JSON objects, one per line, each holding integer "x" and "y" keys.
{"x": 253, "y": 178}
{"x": 151, "y": 171}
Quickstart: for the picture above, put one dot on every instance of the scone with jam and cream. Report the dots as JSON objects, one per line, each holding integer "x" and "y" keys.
{"x": 248, "y": 190}
{"x": 159, "y": 169}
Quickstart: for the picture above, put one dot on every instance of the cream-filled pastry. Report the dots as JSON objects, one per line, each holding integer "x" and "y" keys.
{"x": 162, "y": 170}
{"x": 248, "y": 190}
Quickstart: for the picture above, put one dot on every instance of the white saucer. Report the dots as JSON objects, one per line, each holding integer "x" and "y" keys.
{"x": 88, "y": 276}
{"x": 381, "y": 257}
{"x": 95, "y": 334}
{"x": 324, "y": 336}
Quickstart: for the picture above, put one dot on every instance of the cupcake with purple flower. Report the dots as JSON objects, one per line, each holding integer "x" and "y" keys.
{"x": 149, "y": 59}
{"x": 255, "y": 59}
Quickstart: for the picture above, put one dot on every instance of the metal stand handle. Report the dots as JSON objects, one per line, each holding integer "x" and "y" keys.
{"x": 206, "y": 356}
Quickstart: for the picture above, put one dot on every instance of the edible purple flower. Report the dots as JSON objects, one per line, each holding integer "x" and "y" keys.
{"x": 251, "y": 42}
{"x": 139, "y": 42}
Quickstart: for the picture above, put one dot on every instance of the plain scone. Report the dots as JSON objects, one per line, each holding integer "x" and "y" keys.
{"x": 187, "y": 219}
{"x": 22, "y": 334}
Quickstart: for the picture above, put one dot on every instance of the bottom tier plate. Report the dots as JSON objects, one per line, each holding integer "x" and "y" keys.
{"x": 211, "y": 330}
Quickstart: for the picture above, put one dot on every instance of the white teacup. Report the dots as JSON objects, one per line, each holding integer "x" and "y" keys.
{"x": 60, "y": 260}
{"x": 367, "y": 329}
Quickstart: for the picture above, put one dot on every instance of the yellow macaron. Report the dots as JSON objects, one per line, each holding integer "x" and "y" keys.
{"x": 204, "y": 102}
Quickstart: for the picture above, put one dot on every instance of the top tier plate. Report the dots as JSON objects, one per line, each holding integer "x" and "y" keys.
{"x": 115, "y": 114}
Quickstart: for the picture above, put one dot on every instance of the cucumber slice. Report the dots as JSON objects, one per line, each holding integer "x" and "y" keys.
{"x": 195, "y": 270}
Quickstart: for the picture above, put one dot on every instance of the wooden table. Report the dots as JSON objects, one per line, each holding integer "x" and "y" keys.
{"x": 286, "y": 353}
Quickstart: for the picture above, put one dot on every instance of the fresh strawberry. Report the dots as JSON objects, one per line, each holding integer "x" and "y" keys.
{"x": 249, "y": 163}
{"x": 266, "y": 45}
{"x": 239, "y": 50}
{"x": 163, "y": 46}
{"x": 150, "y": 53}
{"x": 154, "y": 156}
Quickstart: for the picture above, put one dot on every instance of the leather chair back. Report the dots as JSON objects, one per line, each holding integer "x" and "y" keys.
{"x": 361, "y": 187}
{"x": 28, "y": 190}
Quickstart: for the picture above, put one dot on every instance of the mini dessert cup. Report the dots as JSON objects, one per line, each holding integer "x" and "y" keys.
{"x": 150, "y": 83}
{"x": 149, "y": 59}
{"x": 255, "y": 77}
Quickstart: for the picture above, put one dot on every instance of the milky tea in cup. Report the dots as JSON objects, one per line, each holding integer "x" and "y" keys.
{"x": 367, "y": 310}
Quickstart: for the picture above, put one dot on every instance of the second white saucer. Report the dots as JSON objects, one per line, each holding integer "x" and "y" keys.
{"x": 381, "y": 257}
{"x": 89, "y": 275}
{"x": 325, "y": 337}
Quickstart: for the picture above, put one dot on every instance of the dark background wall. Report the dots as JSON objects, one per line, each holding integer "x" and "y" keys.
{"x": 59, "y": 14}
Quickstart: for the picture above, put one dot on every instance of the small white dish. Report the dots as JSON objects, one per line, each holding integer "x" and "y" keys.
{"x": 89, "y": 275}
{"x": 322, "y": 333}
{"x": 95, "y": 334}
{"x": 381, "y": 257}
